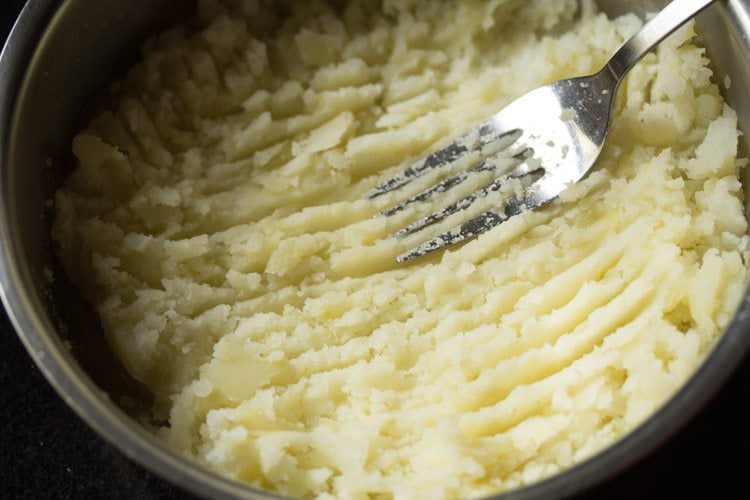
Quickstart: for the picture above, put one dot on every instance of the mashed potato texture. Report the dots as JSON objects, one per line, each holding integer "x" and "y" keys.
{"x": 216, "y": 219}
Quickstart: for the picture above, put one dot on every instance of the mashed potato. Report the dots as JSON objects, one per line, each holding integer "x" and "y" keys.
{"x": 216, "y": 219}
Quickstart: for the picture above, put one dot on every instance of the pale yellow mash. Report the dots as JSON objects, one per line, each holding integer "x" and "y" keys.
{"x": 216, "y": 219}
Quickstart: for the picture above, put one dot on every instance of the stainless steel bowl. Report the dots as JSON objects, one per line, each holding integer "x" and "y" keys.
{"x": 58, "y": 55}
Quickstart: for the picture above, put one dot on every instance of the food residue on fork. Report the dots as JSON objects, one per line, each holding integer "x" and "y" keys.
{"x": 216, "y": 219}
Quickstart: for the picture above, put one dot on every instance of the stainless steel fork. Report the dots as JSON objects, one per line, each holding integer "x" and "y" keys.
{"x": 558, "y": 131}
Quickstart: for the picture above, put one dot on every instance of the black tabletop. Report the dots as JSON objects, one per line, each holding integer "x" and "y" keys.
{"x": 46, "y": 451}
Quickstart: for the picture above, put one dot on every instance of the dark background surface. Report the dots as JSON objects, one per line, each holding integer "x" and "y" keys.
{"x": 46, "y": 451}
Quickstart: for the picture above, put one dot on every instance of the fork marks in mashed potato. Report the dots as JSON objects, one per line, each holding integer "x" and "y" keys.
{"x": 215, "y": 219}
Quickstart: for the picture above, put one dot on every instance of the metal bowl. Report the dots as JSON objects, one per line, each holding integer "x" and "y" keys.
{"x": 58, "y": 55}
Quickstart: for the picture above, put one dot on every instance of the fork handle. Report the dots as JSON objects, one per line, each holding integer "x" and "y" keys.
{"x": 663, "y": 24}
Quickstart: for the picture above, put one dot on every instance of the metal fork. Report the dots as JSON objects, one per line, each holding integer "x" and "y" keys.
{"x": 557, "y": 132}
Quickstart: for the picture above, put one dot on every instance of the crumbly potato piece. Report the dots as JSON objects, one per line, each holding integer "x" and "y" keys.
{"x": 216, "y": 220}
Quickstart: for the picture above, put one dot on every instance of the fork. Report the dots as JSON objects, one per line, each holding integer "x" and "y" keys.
{"x": 557, "y": 132}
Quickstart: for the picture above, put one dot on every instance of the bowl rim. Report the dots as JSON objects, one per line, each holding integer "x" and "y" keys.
{"x": 39, "y": 336}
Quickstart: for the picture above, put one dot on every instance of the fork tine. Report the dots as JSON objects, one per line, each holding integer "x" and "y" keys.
{"x": 442, "y": 157}
{"x": 478, "y": 225}
{"x": 472, "y": 141}
{"x": 522, "y": 169}
{"x": 456, "y": 180}
{"x": 533, "y": 197}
